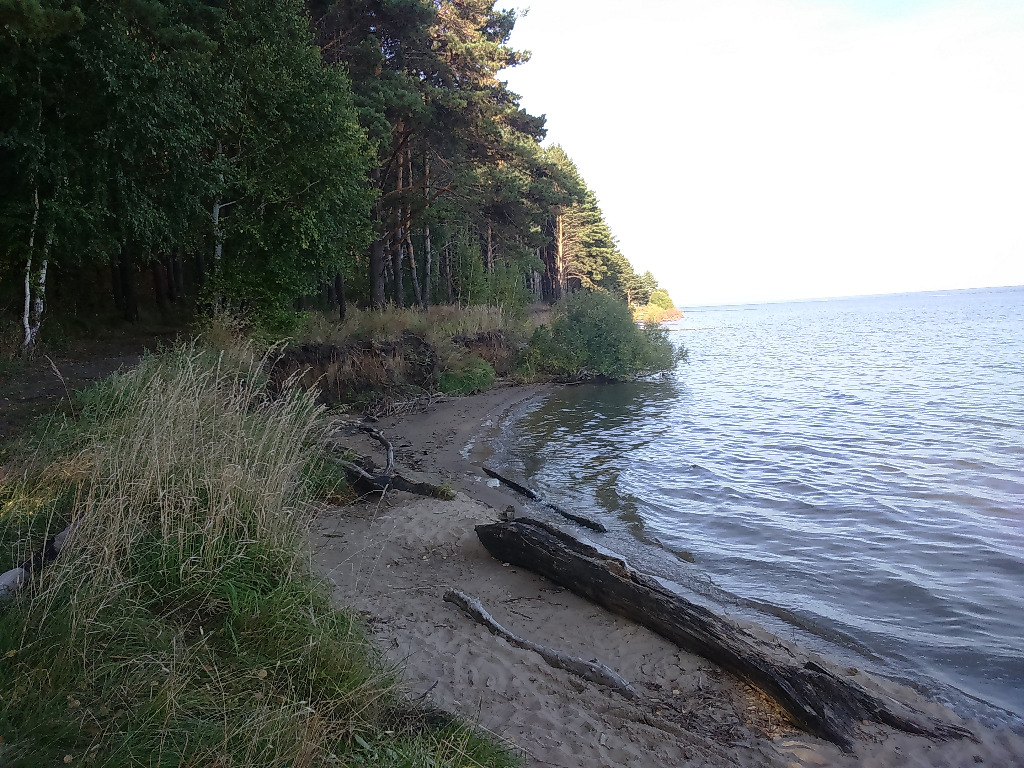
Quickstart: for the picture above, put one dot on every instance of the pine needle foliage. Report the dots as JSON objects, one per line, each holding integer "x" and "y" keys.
{"x": 182, "y": 625}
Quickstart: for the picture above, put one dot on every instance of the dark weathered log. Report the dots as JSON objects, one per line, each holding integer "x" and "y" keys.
{"x": 531, "y": 494}
{"x": 382, "y": 483}
{"x": 520, "y": 489}
{"x": 594, "y": 670}
{"x": 586, "y": 522}
{"x": 816, "y": 700}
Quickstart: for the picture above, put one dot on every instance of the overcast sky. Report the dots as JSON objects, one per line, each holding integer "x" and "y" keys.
{"x": 763, "y": 150}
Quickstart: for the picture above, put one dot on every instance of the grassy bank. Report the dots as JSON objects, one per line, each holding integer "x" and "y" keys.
{"x": 182, "y": 624}
{"x": 463, "y": 350}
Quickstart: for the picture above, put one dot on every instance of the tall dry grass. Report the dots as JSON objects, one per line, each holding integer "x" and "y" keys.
{"x": 181, "y": 624}
{"x": 437, "y": 325}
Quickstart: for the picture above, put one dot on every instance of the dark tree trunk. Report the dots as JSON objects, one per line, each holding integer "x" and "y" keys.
{"x": 159, "y": 285}
{"x": 449, "y": 289}
{"x": 115, "y": 286}
{"x": 200, "y": 269}
{"x": 126, "y": 277}
{"x": 339, "y": 294}
{"x": 413, "y": 271}
{"x": 179, "y": 273}
{"x": 377, "y": 298}
{"x": 397, "y": 284}
{"x": 172, "y": 286}
{"x": 815, "y": 699}
{"x": 425, "y": 296}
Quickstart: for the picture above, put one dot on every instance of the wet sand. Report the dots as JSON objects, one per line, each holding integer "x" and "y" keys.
{"x": 394, "y": 558}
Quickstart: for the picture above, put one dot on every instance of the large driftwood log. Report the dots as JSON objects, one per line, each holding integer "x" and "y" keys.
{"x": 816, "y": 700}
{"x": 594, "y": 670}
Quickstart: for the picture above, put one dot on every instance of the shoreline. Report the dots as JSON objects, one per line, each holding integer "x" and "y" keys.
{"x": 393, "y": 559}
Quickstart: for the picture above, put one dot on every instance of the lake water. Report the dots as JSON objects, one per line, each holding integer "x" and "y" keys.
{"x": 849, "y": 473}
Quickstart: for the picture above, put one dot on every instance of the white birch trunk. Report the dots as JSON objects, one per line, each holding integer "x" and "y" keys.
{"x": 27, "y": 314}
{"x": 39, "y": 299}
{"x": 560, "y": 255}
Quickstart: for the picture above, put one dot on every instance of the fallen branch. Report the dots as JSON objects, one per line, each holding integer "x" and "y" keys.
{"x": 382, "y": 483}
{"x": 815, "y": 699}
{"x": 13, "y": 580}
{"x": 531, "y": 494}
{"x": 384, "y": 406}
{"x": 594, "y": 670}
{"x": 389, "y": 449}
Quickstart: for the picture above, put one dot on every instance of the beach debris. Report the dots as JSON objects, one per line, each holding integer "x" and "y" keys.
{"x": 389, "y": 479}
{"x": 815, "y": 699}
{"x": 13, "y": 580}
{"x": 593, "y": 671}
{"x": 531, "y": 494}
{"x": 388, "y": 447}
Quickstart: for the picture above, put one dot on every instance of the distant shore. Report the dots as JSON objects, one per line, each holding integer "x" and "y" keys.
{"x": 394, "y": 559}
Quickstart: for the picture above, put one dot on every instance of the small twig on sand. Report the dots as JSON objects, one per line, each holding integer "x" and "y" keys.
{"x": 593, "y": 671}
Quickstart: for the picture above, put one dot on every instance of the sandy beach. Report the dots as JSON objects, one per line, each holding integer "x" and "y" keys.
{"x": 394, "y": 558}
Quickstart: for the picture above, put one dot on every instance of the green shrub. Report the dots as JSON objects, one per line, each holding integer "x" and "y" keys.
{"x": 660, "y": 298}
{"x": 473, "y": 375}
{"x": 593, "y": 335}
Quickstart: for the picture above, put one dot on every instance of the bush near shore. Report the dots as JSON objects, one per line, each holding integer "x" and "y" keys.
{"x": 588, "y": 335}
{"x": 594, "y": 336}
{"x": 182, "y": 623}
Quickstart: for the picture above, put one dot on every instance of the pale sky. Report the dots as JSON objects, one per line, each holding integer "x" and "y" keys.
{"x": 764, "y": 150}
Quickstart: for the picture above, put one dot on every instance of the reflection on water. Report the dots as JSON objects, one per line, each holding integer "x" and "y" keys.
{"x": 854, "y": 468}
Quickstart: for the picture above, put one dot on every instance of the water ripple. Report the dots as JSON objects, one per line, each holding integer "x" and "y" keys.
{"x": 853, "y": 469}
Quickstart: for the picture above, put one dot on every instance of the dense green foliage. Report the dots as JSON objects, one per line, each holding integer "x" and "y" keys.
{"x": 162, "y": 155}
{"x": 592, "y": 335}
{"x": 181, "y": 624}
{"x": 471, "y": 376}
{"x": 661, "y": 299}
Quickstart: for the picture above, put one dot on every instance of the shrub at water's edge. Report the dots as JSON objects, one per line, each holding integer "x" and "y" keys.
{"x": 659, "y": 308}
{"x": 182, "y": 623}
{"x": 593, "y": 336}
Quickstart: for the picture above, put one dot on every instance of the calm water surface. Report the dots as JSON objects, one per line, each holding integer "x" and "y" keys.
{"x": 849, "y": 472}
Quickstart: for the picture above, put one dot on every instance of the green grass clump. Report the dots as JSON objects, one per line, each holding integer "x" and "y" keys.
{"x": 593, "y": 336}
{"x": 182, "y": 624}
{"x": 472, "y": 375}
